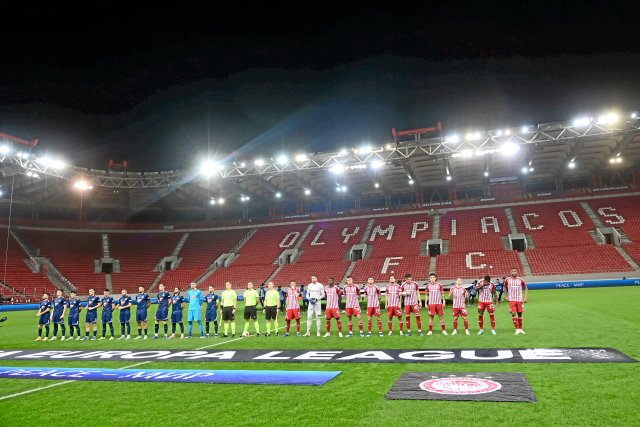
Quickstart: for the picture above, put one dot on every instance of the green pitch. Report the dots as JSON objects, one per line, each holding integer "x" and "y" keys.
{"x": 568, "y": 394}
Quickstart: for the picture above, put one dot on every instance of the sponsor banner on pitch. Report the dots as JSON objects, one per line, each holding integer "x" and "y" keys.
{"x": 485, "y": 355}
{"x": 177, "y": 376}
{"x": 478, "y": 386}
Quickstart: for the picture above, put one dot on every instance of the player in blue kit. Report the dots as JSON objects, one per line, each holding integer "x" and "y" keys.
{"x": 93, "y": 303}
{"x": 108, "y": 305}
{"x": 59, "y": 308}
{"x": 44, "y": 314}
{"x": 143, "y": 302}
{"x": 195, "y": 302}
{"x": 162, "y": 314}
{"x": 211, "y": 314}
{"x": 177, "y": 303}
{"x": 124, "y": 305}
{"x": 75, "y": 306}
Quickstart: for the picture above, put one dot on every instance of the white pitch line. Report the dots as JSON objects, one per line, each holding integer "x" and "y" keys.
{"x": 22, "y": 393}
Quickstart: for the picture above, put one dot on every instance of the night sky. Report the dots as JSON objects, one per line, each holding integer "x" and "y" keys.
{"x": 163, "y": 86}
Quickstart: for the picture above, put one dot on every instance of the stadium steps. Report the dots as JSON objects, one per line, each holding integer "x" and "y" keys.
{"x": 275, "y": 273}
{"x": 12, "y": 289}
{"x": 623, "y": 253}
{"x": 530, "y": 243}
{"x": 108, "y": 282}
{"x": 506, "y": 243}
{"x": 106, "y": 252}
{"x": 623, "y": 235}
{"x": 213, "y": 266}
{"x": 432, "y": 264}
{"x": 347, "y": 273}
{"x": 596, "y": 238}
{"x": 445, "y": 247}
{"x": 156, "y": 280}
{"x": 435, "y": 228}
{"x": 592, "y": 215}
{"x": 302, "y": 238}
{"x": 525, "y": 264}
{"x": 180, "y": 244}
{"x": 513, "y": 228}
{"x": 367, "y": 231}
{"x": 53, "y": 274}
{"x": 244, "y": 239}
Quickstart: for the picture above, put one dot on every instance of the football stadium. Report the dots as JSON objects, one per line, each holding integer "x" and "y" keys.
{"x": 451, "y": 273}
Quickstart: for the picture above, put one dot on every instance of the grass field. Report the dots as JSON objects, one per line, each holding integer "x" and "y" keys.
{"x": 588, "y": 394}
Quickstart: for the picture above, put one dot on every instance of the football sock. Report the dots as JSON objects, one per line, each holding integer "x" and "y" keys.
{"x": 481, "y": 322}
{"x": 156, "y": 328}
{"x": 419, "y": 323}
{"x": 46, "y": 328}
{"x": 493, "y": 321}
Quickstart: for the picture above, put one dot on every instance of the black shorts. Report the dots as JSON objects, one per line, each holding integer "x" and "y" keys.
{"x": 271, "y": 313}
{"x": 227, "y": 313}
{"x": 250, "y": 312}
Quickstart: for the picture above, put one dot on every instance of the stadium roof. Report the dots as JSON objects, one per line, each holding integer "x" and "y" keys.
{"x": 409, "y": 162}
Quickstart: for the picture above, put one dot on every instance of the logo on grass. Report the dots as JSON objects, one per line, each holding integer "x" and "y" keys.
{"x": 460, "y": 386}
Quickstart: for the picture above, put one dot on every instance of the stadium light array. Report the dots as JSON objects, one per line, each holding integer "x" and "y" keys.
{"x": 525, "y": 129}
{"x": 509, "y": 148}
{"x": 259, "y": 162}
{"x": 82, "y": 185}
{"x": 343, "y": 152}
{"x": 282, "y": 159}
{"x": 473, "y": 136}
{"x": 634, "y": 115}
{"x": 486, "y": 173}
{"x": 572, "y": 165}
{"x": 307, "y": 192}
{"x": 301, "y": 157}
{"x": 5, "y": 149}
{"x": 388, "y": 147}
{"x": 53, "y": 163}
{"x": 582, "y": 122}
{"x": 244, "y": 198}
{"x": 365, "y": 149}
{"x": 608, "y": 119}
{"x": 377, "y": 164}
{"x": 525, "y": 170}
{"x": 376, "y": 185}
{"x": 452, "y": 139}
{"x": 617, "y": 160}
{"x": 243, "y": 164}
{"x": 208, "y": 167}
{"x": 411, "y": 181}
{"x": 278, "y": 195}
{"x": 337, "y": 169}
{"x": 448, "y": 177}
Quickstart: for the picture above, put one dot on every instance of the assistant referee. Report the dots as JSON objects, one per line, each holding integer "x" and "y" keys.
{"x": 229, "y": 305}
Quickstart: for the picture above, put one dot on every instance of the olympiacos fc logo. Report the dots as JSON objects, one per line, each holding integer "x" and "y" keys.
{"x": 460, "y": 386}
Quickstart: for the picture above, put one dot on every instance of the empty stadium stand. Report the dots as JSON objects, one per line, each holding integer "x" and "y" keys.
{"x": 561, "y": 235}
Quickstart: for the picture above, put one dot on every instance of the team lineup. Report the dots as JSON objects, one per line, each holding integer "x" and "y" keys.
{"x": 406, "y": 294}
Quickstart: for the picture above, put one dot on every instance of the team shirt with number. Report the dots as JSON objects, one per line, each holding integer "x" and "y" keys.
{"x": 107, "y": 305}
{"x": 292, "y": 299}
{"x": 373, "y": 296}
{"x": 486, "y": 293}
{"x": 352, "y": 293}
{"x": 163, "y": 300}
{"x": 58, "y": 306}
{"x": 514, "y": 288}
{"x": 393, "y": 295}
{"x": 435, "y": 293}
{"x": 458, "y": 295}
{"x": 333, "y": 296}
{"x": 411, "y": 291}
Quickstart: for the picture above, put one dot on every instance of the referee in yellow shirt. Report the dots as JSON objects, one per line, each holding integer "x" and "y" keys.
{"x": 271, "y": 308}
{"x": 250, "y": 310}
{"x": 229, "y": 305}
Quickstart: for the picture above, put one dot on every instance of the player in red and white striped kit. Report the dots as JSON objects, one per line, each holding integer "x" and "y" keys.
{"x": 293, "y": 308}
{"x": 332, "y": 292}
{"x": 513, "y": 286}
{"x": 486, "y": 297}
{"x": 393, "y": 304}
{"x": 373, "y": 294}
{"x": 352, "y": 292}
{"x": 458, "y": 295}
{"x": 412, "y": 302}
{"x": 436, "y": 303}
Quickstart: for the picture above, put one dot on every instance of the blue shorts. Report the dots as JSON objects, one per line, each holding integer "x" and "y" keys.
{"x": 58, "y": 318}
{"x": 74, "y": 321}
{"x": 44, "y": 319}
{"x": 176, "y": 317}
{"x": 162, "y": 314}
{"x": 194, "y": 315}
{"x": 125, "y": 316}
{"x": 141, "y": 316}
{"x": 211, "y": 316}
{"x": 92, "y": 317}
{"x": 107, "y": 317}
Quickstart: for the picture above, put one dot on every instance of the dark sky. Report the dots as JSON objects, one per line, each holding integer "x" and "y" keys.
{"x": 159, "y": 86}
